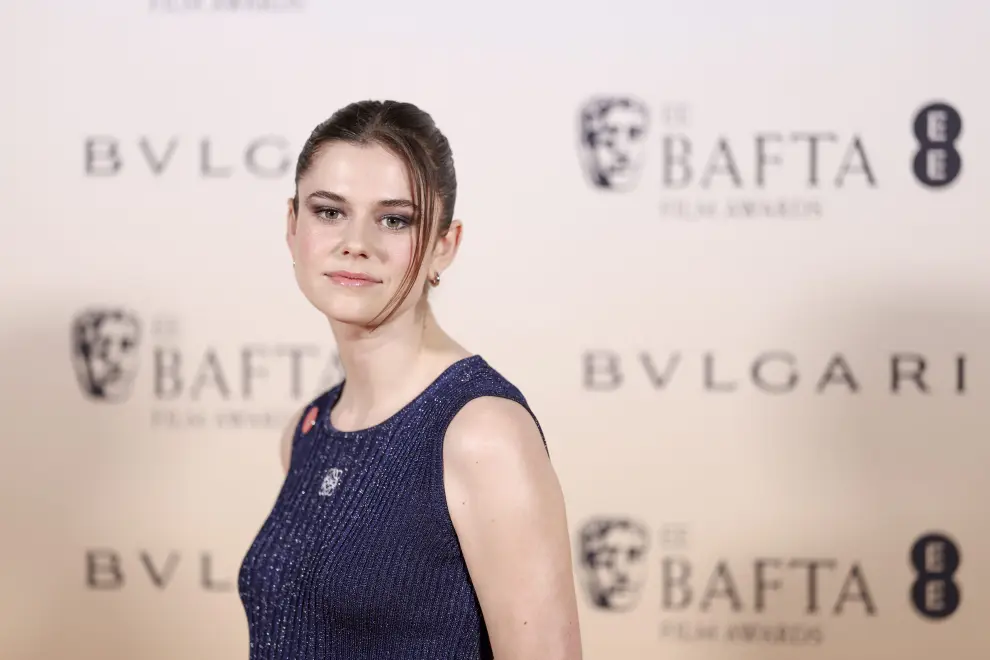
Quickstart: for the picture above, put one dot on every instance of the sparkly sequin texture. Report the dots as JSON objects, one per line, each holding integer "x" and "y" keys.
{"x": 358, "y": 559}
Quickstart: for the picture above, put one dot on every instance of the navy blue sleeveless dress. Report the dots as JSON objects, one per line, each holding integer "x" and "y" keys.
{"x": 359, "y": 559}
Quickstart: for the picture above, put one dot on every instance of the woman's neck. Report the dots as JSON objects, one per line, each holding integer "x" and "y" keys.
{"x": 387, "y": 367}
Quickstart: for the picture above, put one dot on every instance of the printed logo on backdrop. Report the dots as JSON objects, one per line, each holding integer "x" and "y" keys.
{"x": 935, "y": 592}
{"x": 776, "y": 372}
{"x": 225, "y": 6}
{"x": 227, "y": 383}
{"x": 208, "y": 157}
{"x": 771, "y": 599}
{"x": 104, "y": 346}
{"x": 612, "y": 561}
{"x": 699, "y": 171}
{"x": 937, "y": 162}
{"x": 110, "y": 569}
{"x": 613, "y": 141}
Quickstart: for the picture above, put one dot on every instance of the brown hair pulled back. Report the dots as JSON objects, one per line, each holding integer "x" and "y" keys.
{"x": 411, "y": 135}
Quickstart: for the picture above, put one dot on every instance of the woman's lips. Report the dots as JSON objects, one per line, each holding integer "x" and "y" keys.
{"x": 352, "y": 279}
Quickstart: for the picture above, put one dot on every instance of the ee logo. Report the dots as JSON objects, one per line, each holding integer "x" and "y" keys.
{"x": 934, "y": 592}
{"x": 937, "y": 162}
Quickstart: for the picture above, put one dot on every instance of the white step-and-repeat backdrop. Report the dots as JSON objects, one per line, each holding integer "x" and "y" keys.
{"x": 736, "y": 254}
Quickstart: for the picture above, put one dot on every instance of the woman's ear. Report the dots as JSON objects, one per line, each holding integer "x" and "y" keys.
{"x": 290, "y": 225}
{"x": 445, "y": 248}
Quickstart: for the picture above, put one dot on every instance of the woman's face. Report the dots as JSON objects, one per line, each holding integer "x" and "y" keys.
{"x": 352, "y": 237}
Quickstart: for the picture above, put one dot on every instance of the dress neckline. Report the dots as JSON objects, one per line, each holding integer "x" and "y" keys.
{"x": 443, "y": 377}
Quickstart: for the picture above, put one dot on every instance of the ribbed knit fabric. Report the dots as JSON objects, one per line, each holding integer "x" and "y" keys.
{"x": 358, "y": 559}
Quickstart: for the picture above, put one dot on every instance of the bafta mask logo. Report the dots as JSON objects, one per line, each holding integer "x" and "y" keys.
{"x": 105, "y": 352}
{"x": 613, "y": 141}
{"x": 612, "y": 559}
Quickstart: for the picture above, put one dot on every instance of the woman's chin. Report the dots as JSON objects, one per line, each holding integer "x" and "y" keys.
{"x": 351, "y": 312}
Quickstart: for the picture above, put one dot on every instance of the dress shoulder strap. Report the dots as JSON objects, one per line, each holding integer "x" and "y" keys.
{"x": 475, "y": 379}
{"x": 310, "y": 421}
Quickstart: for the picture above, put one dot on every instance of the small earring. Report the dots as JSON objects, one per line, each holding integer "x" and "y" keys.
{"x": 436, "y": 279}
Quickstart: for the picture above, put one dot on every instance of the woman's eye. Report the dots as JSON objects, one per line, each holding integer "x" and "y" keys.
{"x": 394, "y": 222}
{"x": 328, "y": 214}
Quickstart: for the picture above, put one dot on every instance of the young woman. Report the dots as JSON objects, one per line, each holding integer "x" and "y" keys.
{"x": 420, "y": 516}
